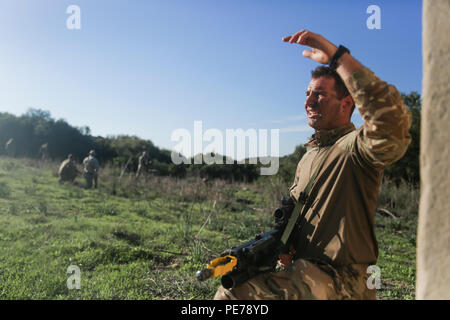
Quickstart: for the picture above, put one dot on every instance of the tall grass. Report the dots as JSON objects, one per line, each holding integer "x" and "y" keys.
{"x": 145, "y": 238}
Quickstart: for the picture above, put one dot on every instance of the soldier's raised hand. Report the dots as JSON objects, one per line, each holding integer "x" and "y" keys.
{"x": 321, "y": 51}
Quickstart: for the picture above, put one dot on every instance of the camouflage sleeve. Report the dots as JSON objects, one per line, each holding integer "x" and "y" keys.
{"x": 384, "y": 136}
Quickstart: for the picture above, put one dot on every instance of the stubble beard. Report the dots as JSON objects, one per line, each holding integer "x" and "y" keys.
{"x": 317, "y": 122}
{"x": 314, "y": 117}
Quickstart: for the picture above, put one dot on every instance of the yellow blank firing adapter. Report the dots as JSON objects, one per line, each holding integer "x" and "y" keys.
{"x": 218, "y": 267}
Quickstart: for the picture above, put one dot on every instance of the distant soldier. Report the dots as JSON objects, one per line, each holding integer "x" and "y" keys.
{"x": 143, "y": 164}
{"x": 91, "y": 167}
{"x": 10, "y": 147}
{"x": 68, "y": 170}
{"x": 43, "y": 151}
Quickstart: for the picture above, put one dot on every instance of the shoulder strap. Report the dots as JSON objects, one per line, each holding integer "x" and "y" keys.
{"x": 302, "y": 200}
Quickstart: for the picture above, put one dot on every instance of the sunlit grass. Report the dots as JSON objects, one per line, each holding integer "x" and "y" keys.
{"x": 146, "y": 239}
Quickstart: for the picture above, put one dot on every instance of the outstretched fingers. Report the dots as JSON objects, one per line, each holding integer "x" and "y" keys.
{"x": 300, "y": 37}
{"x": 321, "y": 50}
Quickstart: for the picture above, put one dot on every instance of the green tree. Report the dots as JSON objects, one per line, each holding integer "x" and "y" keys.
{"x": 408, "y": 167}
{"x": 288, "y": 164}
{"x": 37, "y": 127}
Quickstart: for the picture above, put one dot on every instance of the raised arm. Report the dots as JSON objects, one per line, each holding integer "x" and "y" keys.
{"x": 385, "y": 135}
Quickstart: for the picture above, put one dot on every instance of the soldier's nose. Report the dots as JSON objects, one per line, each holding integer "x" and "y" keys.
{"x": 310, "y": 101}
{"x": 313, "y": 105}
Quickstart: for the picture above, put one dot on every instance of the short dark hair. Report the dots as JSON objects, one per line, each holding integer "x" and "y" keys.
{"x": 339, "y": 85}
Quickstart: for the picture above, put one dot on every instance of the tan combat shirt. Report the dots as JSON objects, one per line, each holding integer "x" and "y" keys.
{"x": 338, "y": 226}
{"x": 91, "y": 165}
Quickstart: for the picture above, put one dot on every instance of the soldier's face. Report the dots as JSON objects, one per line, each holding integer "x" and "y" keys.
{"x": 322, "y": 106}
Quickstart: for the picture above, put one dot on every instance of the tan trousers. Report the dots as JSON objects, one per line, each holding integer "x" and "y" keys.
{"x": 304, "y": 280}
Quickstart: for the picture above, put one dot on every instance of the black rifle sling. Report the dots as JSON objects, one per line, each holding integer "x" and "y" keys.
{"x": 302, "y": 201}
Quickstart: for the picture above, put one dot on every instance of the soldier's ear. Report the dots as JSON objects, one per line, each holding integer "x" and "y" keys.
{"x": 347, "y": 103}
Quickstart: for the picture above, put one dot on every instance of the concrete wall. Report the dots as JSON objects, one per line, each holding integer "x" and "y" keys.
{"x": 433, "y": 239}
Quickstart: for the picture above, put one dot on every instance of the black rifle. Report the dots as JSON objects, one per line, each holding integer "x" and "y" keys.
{"x": 241, "y": 263}
{"x": 258, "y": 255}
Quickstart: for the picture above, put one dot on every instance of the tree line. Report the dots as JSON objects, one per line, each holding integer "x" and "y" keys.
{"x": 28, "y": 134}
{"x": 25, "y": 135}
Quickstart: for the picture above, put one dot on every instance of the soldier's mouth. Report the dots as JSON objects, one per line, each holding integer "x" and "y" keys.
{"x": 313, "y": 115}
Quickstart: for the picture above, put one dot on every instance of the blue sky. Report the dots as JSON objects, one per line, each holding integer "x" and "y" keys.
{"x": 146, "y": 68}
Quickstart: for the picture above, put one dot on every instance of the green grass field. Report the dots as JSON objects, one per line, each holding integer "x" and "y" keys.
{"x": 146, "y": 239}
